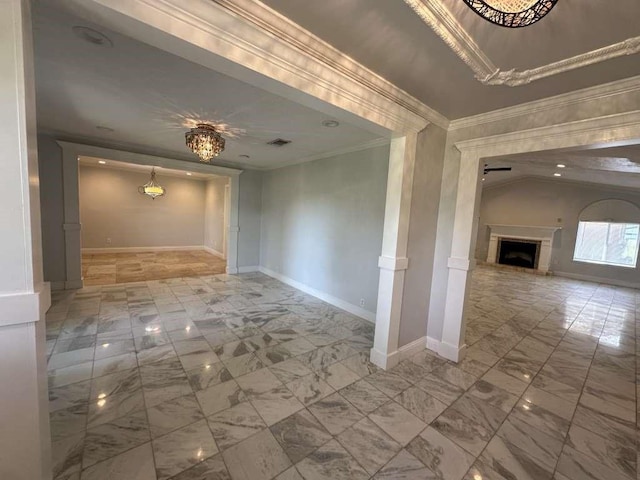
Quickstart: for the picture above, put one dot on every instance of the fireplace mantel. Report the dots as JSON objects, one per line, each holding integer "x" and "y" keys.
{"x": 543, "y": 234}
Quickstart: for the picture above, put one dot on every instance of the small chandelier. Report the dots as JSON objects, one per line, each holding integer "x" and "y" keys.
{"x": 512, "y": 13}
{"x": 205, "y": 141}
{"x": 151, "y": 188}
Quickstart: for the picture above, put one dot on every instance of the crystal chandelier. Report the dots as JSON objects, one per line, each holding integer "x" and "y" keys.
{"x": 512, "y": 13}
{"x": 205, "y": 141}
{"x": 151, "y": 188}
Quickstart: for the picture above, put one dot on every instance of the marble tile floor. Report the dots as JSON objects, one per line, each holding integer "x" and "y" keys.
{"x": 111, "y": 268}
{"x": 242, "y": 377}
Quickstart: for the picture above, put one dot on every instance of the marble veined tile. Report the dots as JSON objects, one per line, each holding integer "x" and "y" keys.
{"x": 338, "y": 376}
{"x": 369, "y": 445}
{"x": 442, "y": 456}
{"x": 470, "y": 435}
{"x": 259, "y": 457}
{"x": 235, "y": 424}
{"x": 173, "y": 414}
{"x": 211, "y": 469}
{"x": 405, "y": 466}
{"x": 335, "y": 413}
{"x": 134, "y": 464}
{"x": 331, "y": 461}
{"x": 310, "y": 388}
{"x": 615, "y": 455}
{"x": 300, "y": 434}
{"x": 388, "y": 383}
{"x": 543, "y": 448}
{"x": 208, "y": 375}
{"x": 276, "y": 404}
{"x": 421, "y": 404}
{"x": 182, "y": 449}
{"x": 258, "y": 382}
{"x": 220, "y": 397}
{"x": 397, "y": 422}
{"x": 578, "y": 466}
{"x": 513, "y": 462}
{"x": 364, "y": 396}
{"x": 112, "y": 438}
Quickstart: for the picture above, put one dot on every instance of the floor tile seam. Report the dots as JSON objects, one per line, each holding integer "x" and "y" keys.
{"x": 521, "y": 398}
{"x": 571, "y": 423}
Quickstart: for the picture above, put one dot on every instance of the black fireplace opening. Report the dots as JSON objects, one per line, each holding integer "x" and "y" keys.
{"x": 518, "y": 253}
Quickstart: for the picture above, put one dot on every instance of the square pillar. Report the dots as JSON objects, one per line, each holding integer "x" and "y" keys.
{"x": 25, "y": 442}
{"x": 461, "y": 261}
{"x": 393, "y": 261}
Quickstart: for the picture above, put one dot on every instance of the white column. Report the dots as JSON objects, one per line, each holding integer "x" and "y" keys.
{"x": 461, "y": 261}
{"x": 25, "y": 443}
{"x": 234, "y": 226}
{"x": 393, "y": 261}
{"x": 492, "y": 253}
{"x": 72, "y": 227}
{"x": 544, "y": 261}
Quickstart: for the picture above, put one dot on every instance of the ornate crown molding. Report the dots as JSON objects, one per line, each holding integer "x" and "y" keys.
{"x": 285, "y": 30}
{"x": 440, "y": 19}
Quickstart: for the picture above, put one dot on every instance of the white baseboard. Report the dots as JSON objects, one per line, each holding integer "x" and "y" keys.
{"x": 141, "y": 249}
{"x": 25, "y": 307}
{"x": 213, "y": 251}
{"x": 391, "y": 360}
{"x": 337, "y": 302}
{"x": 251, "y": 269}
{"x": 446, "y": 350}
{"x": 433, "y": 344}
{"x": 594, "y": 279}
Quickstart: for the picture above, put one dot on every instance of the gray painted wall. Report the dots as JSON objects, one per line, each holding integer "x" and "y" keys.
{"x": 322, "y": 223}
{"x": 422, "y": 233}
{"x": 51, "y": 209}
{"x": 111, "y": 207}
{"x": 612, "y": 104}
{"x": 214, "y": 206}
{"x": 534, "y": 201}
{"x": 249, "y": 216}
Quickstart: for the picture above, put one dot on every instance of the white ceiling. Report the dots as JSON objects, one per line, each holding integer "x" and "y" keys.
{"x": 619, "y": 166}
{"x": 146, "y": 95}
{"x": 390, "y": 39}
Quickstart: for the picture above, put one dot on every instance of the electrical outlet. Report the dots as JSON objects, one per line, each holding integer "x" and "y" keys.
{"x": 362, "y": 302}
{"x": 108, "y": 240}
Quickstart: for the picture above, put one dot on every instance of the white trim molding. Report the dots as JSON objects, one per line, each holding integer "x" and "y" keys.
{"x": 440, "y": 19}
{"x": 24, "y": 307}
{"x": 325, "y": 297}
{"x": 242, "y": 37}
{"x": 387, "y": 361}
{"x": 600, "y": 92}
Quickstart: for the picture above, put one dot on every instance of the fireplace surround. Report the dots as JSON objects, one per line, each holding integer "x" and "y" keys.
{"x": 521, "y": 245}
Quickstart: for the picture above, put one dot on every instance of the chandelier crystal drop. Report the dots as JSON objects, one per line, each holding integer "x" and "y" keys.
{"x": 205, "y": 141}
{"x": 151, "y": 188}
{"x": 512, "y": 13}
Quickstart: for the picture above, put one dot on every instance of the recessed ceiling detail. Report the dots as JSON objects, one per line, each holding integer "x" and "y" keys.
{"x": 440, "y": 19}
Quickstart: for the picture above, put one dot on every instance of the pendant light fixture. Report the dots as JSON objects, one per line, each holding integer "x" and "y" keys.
{"x": 205, "y": 141}
{"x": 512, "y": 13}
{"x": 151, "y": 188}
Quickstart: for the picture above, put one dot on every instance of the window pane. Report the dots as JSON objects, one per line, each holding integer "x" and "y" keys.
{"x": 607, "y": 243}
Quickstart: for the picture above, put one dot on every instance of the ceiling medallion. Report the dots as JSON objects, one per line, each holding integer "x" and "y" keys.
{"x": 151, "y": 188}
{"x": 512, "y": 13}
{"x": 205, "y": 141}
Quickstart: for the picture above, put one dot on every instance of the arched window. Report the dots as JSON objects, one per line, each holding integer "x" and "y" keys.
{"x": 608, "y": 234}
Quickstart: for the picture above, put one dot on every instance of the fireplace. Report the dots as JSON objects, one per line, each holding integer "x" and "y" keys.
{"x": 518, "y": 252}
{"x": 524, "y": 246}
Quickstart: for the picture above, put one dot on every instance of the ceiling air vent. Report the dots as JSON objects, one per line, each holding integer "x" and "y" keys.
{"x": 279, "y": 142}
